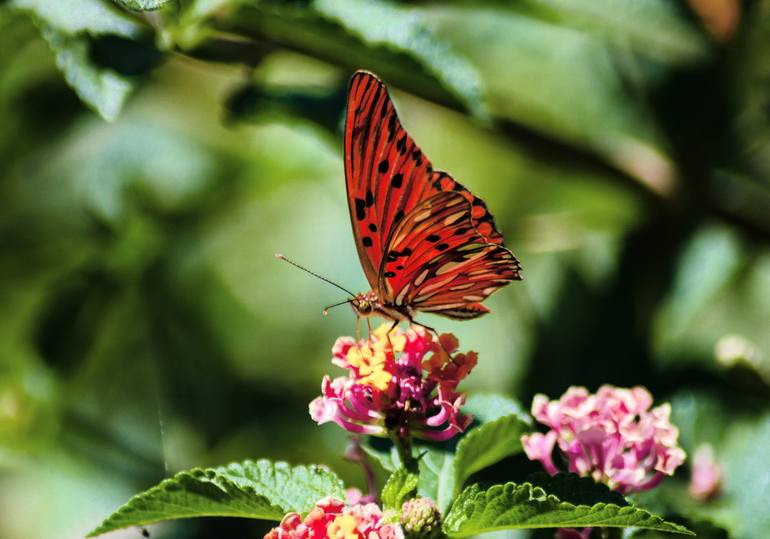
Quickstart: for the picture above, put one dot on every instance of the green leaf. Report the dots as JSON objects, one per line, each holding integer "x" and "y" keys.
{"x": 384, "y": 452}
{"x": 399, "y": 487}
{"x": 485, "y": 407}
{"x": 652, "y": 27}
{"x": 435, "y": 467}
{"x": 260, "y": 490}
{"x": 443, "y": 468}
{"x": 385, "y": 24}
{"x": 398, "y": 43}
{"x": 570, "y": 487}
{"x": 81, "y": 16}
{"x": 526, "y": 506}
{"x": 437, "y": 475}
{"x": 102, "y": 89}
{"x": 487, "y": 444}
{"x": 142, "y": 5}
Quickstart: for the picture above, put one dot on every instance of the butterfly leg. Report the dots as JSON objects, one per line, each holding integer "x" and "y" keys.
{"x": 358, "y": 330}
{"x": 438, "y": 337}
{"x": 390, "y": 343}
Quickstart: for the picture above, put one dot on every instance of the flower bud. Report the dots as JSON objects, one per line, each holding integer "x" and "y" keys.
{"x": 420, "y": 517}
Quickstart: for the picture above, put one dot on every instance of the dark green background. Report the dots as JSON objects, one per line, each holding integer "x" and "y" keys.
{"x": 145, "y": 326}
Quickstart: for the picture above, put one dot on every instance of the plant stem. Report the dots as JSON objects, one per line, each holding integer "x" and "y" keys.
{"x": 404, "y": 447}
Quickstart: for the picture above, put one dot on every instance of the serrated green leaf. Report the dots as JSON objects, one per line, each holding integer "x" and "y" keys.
{"x": 523, "y": 505}
{"x": 142, "y": 5}
{"x": 81, "y": 16}
{"x": 381, "y": 23}
{"x": 400, "y": 485}
{"x": 102, "y": 89}
{"x": 487, "y": 444}
{"x": 572, "y": 488}
{"x": 396, "y": 42}
{"x": 260, "y": 490}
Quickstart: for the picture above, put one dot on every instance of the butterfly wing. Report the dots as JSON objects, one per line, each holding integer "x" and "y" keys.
{"x": 437, "y": 260}
{"x": 387, "y": 175}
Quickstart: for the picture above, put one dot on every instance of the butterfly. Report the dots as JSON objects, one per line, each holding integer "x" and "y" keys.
{"x": 425, "y": 242}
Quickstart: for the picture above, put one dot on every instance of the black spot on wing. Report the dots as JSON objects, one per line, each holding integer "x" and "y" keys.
{"x": 367, "y": 241}
{"x": 360, "y": 209}
{"x": 397, "y": 180}
{"x": 391, "y": 127}
{"x": 433, "y": 238}
{"x": 401, "y": 145}
{"x": 383, "y": 166}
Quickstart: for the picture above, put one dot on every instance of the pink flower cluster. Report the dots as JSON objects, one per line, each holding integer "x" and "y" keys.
{"x": 333, "y": 519}
{"x": 402, "y": 383}
{"x": 612, "y": 436}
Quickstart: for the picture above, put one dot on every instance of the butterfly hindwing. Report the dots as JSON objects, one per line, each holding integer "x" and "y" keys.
{"x": 480, "y": 217}
{"x": 437, "y": 261}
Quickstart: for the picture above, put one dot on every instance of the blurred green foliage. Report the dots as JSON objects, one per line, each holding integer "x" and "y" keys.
{"x": 624, "y": 148}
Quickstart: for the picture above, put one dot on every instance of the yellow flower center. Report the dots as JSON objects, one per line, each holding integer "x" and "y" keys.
{"x": 397, "y": 338}
{"x": 342, "y": 527}
{"x": 371, "y": 366}
{"x": 370, "y": 359}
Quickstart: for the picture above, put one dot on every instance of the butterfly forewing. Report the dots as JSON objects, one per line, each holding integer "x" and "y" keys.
{"x": 385, "y": 171}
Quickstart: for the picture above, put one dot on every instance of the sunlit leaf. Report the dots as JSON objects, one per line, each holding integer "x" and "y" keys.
{"x": 394, "y": 41}
{"x": 94, "y": 17}
{"x": 259, "y": 490}
{"x": 514, "y": 505}
{"x": 385, "y": 24}
{"x": 486, "y": 445}
{"x": 437, "y": 476}
{"x": 102, "y": 89}
{"x": 142, "y": 5}
{"x": 399, "y": 487}
{"x": 486, "y": 407}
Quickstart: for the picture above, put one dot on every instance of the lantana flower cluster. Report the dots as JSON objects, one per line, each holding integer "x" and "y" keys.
{"x": 402, "y": 382}
{"x": 333, "y": 519}
{"x": 612, "y": 436}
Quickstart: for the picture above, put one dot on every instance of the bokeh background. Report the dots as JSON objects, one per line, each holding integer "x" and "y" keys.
{"x": 154, "y": 161}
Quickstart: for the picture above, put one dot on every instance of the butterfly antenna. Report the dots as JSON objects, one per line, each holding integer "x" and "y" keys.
{"x": 279, "y": 256}
{"x": 326, "y": 309}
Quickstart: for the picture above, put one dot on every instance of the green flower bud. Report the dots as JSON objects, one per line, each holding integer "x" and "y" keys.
{"x": 421, "y": 518}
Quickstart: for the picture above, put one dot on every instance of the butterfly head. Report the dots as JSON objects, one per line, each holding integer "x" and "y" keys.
{"x": 365, "y": 304}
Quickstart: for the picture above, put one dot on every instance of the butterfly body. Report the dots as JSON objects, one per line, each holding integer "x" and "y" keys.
{"x": 367, "y": 304}
{"x": 425, "y": 242}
